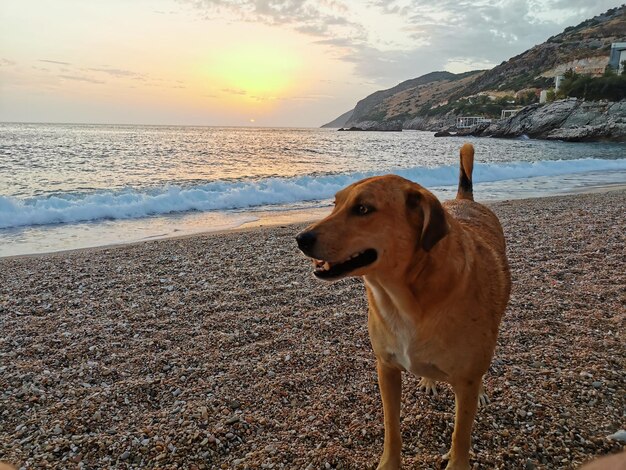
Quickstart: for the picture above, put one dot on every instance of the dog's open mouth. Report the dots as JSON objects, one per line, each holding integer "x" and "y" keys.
{"x": 328, "y": 270}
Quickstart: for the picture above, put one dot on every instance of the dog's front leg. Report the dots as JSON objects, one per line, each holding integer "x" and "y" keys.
{"x": 390, "y": 383}
{"x": 466, "y": 399}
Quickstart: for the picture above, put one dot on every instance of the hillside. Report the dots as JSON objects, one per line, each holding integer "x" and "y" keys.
{"x": 407, "y": 97}
{"x": 433, "y": 100}
{"x": 340, "y": 121}
{"x": 590, "y": 39}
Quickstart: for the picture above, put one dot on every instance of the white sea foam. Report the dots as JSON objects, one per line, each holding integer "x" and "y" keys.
{"x": 228, "y": 195}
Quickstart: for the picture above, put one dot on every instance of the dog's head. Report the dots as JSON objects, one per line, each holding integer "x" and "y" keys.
{"x": 378, "y": 224}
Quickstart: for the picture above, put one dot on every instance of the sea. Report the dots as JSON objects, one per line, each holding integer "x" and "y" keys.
{"x": 68, "y": 186}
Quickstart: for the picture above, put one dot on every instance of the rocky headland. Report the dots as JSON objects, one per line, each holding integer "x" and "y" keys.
{"x": 571, "y": 120}
{"x": 375, "y": 126}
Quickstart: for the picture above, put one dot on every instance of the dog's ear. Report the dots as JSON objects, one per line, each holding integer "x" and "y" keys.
{"x": 428, "y": 216}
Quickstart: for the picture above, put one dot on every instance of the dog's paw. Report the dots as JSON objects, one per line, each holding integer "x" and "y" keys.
{"x": 388, "y": 467}
{"x": 454, "y": 465}
{"x": 428, "y": 386}
{"x": 389, "y": 464}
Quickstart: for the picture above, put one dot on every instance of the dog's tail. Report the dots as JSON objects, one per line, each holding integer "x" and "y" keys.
{"x": 466, "y": 190}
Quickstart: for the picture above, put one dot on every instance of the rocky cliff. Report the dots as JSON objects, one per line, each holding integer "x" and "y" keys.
{"x": 570, "y": 120}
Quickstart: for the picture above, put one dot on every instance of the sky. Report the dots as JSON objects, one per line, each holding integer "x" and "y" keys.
{"x": 292, "y": 63}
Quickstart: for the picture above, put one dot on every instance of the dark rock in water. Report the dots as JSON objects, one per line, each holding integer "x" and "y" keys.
{"x": 350, "y": 129}
{"x": 386, "y": 126}
{"x": 442, "y": 134}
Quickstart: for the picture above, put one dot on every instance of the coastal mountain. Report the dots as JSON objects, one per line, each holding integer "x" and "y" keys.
{"x": 432, "y": 101}
{"x": 341, "y": 120}
{"x": 409, "y": 97}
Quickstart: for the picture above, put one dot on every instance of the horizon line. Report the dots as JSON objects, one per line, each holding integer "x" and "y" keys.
{"x": 158, "y": 125}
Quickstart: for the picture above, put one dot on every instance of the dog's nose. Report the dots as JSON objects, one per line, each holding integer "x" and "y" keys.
{"x": 306, "y": 240}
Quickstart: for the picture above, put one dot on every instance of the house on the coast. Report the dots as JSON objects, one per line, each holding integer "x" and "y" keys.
{"x": 618, "y": 56}
{"x": 467, "y": 122}
{"x": 507, "y": 113}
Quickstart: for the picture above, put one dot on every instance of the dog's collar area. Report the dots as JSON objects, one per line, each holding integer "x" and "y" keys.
{"x": 327, "y": 270}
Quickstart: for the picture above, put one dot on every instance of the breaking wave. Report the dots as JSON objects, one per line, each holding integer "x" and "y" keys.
{"x": 228, "y": 195}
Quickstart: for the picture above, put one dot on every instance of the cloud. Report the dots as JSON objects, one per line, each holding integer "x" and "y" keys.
{"x": 312, "y": 97}
{"x": 580, "y": 7}
{"x": 233, "y": 91}
{"x": 338, "y": 42}
{"x": 113, "y": 71}
{"x": 58, "y": 62}
{"x": 7, "y": 62}
{"x": 81, "y": 78}
{"x": 321, "y": 18}
{"x": 262, "y": 98}
{"x": 388, "y": 41}
{"x": 118, "y": 73}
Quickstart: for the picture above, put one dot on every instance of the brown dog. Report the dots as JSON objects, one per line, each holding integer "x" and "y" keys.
{"x": 437, "y": 282}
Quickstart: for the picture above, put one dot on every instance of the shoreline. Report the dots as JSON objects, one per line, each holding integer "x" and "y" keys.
{"x": 267, "y": 219}
{"x": 222, "y": 350}
{"x": 274, "y": 218}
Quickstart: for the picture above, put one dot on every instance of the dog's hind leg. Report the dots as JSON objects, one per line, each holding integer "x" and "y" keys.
{"x": 428, "y": 386}
{"x": 466, "y": 399}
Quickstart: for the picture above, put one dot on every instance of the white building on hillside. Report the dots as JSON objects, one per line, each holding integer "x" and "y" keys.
{"x": 507, "y": 113}
{"x": 467, "y": 122}
{"x": 557, "y": 82}
{"x": 618, "y": 56}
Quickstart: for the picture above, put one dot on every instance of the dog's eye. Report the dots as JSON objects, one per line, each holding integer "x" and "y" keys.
{"x": 362, "y": 209}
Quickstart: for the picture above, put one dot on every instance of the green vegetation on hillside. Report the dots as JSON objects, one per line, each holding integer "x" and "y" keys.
{"x": 610, "y": 86}
{"x": 480, "y": 105}
{"x": 527, "y": 80}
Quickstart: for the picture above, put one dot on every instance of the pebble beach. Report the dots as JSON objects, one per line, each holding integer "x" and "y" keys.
{"x": 221, "y": 351}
